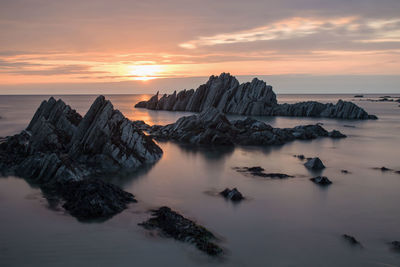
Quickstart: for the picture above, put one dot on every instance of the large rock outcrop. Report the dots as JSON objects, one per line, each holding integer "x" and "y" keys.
{"x": 60, "y": 148}
{"x": 211, "y": 127}
{"x": 254, "y": 98}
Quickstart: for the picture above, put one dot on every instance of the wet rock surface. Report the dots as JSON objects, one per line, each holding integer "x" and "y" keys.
{"x": 174, "y": 225}
{"x": 258, "y": 171}
{"x": 232, "y": 194}
{"x": 93, "y": 198}
{"x": 314, "y": 164}
{"x": 211, "y": 127}
{"x": 254, "y": 98}
{"x": 321, "y": 180}
{"x": 59, "y": 146}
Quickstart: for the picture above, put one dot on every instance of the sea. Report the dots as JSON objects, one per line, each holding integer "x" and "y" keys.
{"x": 282, "y": 222}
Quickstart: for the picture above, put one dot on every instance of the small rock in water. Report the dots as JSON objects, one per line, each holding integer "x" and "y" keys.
{"x": 384, "y": 169}
{"x": 345, "y": 171}
{"x": 314, "y": 164}
{"x": 174, "y": 225}
{"x": 258, "y": 171}
{"x": 336, "y": 134}
{"x": 233, "y": 194}
{"x": 351, "y": 239}
{"x": 395, "y": 245}
{"x": 301, "y": 157}
{"x": 321, "y": 180}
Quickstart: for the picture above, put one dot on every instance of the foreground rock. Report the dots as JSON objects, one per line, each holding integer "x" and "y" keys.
{"x": 60, "y": 147}
{"x": 252, "y": 98}
{"x": 93, "y": 198}
{"x": 351, "y": 239}
{"x": 258, "y": 171}
{"x": 211, "y": 127}
{"x": 314, "y": 164}
{"x": 174, "y": 225}
{"x": 233, "y": 194}
{"x": 321, "y": 180}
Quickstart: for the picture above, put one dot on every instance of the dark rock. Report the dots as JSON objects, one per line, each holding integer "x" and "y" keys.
{"x": 395, "y": 245}
{"x": 233, "y": 194}
{"x": 93, "y": 198}
{"x": 349, "y": 126}
{"x": 174, "y": 225}
{"x": 384, "y": 169}
{"x": 321, "y": 180}
{"x": 345, "y": 171}
{"x": 254, "y": 98}
{"x": 211, "y": 127}
{"x": 351, "y": 239}
{"x": 258, "y": 171}
{"x": 301, "y": 157}
{"x": 359, "y": 96}
{"x": 314, "y": 164}
{"x": 60, "y": 147}
{"x": 336, "y": 134}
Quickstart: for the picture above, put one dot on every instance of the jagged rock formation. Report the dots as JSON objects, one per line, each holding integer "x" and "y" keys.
{"x": 254, "y": 98}
{"x": 174, "y": 225}
{"x": 60, "y": 147}
{"x": 211, "y": 127}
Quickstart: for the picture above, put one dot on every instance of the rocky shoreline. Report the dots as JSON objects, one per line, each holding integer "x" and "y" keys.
{"x": 254, "y": 98}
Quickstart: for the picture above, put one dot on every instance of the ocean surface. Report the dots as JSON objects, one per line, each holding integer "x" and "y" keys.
{"x": 289, "y": 222}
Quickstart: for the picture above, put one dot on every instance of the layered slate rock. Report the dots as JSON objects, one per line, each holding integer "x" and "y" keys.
{"x": 174, "y": 225}
{"x": 211, "y": 127}
{"x": 59, "y": 147}
{"x": 254, "y": 98}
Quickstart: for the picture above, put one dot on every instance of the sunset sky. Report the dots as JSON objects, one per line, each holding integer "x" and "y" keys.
{"x": 48, "y": 42}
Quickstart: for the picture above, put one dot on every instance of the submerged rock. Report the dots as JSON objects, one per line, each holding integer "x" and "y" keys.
{"x": 321, "y": 180}
{"x": 94, "y": 198}
{"x": 254, "y": 98}
{"x": 351, "y": 239}
{"x": 60, "y": 147}
{"x": 300, "y": 157}
{"x": 395, "y": 245}
{"x": 314, "y": 164}
{"x": 174, "y": 225}
{"x": 211, "y": 127}
{"x": 258, "y": 171}
{"x": 345, "y": 171}
{"x": 233, "y": 194}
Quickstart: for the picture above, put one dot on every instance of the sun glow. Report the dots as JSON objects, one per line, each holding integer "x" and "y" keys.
{"x": 145, "y": 72}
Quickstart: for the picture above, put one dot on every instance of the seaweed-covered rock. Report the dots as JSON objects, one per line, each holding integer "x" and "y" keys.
{"x": 232, "y": 194}
{"x": 174, "y": 225}
{"x": 94, "y": 198}
{"x": 251, "y": 98}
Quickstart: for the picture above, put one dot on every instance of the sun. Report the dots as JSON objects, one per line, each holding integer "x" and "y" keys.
{"x": 145, "y": 72}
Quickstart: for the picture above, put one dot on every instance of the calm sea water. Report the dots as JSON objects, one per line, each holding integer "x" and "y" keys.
{"x": 289, "y": 222}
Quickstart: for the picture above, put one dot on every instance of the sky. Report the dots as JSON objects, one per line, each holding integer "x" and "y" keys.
{"x": 129, "y": 46}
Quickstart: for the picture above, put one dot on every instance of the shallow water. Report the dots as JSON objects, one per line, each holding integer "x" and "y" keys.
{"x": 290, "y": 222}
